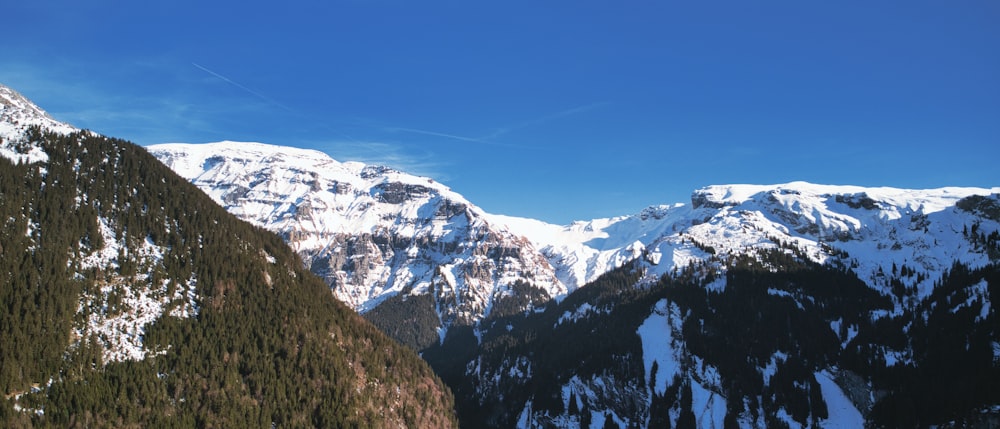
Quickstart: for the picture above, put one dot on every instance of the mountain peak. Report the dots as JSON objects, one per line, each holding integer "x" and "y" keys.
{"x": 372, "y": 232}
{"x": 17, "y": 114}
{"x": 13, "y": 101}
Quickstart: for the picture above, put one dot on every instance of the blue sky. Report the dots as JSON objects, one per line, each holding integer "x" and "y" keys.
{"x": 555, "y": 110}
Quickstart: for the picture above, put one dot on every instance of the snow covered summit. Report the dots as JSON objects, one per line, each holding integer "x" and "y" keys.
{"x": 17, "y": 114}
{"x": 868, "y": 229}
{"x": 372, "y": 232}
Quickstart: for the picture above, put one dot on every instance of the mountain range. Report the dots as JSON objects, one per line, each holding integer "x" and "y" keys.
{"x": 411, "y": 254}
{"x": 374, "y": 233}
{"x": 786, "y": 305}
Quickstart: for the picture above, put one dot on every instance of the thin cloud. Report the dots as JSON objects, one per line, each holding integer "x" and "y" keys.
{"x": 491, "y": 138}
{"x": 547, "y": 118}
{"x": 240, "y": 86}
{"x": 437, "y": 134}
{"x": 388, "y": 154}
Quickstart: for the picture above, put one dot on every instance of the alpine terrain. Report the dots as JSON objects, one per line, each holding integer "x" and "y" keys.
{"x": 382, "y": 239}
{"x": 131, "y": 299}
{"x": 786, "y": 305}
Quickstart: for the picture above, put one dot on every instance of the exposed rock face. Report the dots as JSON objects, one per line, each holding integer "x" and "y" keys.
{"x": 371, "y": 232}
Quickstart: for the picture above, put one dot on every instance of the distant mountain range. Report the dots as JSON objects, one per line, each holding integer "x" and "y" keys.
{"x": 849, "y": 271}
{"x": 787, "y": 305}
{"x": 374, "y": 233}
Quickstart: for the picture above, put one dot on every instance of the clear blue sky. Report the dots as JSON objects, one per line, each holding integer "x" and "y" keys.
{"x": 558, "y": 110}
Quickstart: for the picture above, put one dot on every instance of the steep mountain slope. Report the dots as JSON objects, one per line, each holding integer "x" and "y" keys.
{"x": 377, "y": 236}
{"x": 132, "y": 300}
{"x": 756, "y": 306}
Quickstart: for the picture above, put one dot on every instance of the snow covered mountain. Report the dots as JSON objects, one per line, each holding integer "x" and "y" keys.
{"x": 786, "y": 305}
{"x": 750, "y": 306}
{"x": 869, "y": 229}
{"x": 373, "y": 233}
{"x": 650, "y": 340}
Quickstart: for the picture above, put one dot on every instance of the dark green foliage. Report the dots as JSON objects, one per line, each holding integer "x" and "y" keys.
{"x": 610, "y": 423}
{"x": 954, "y": 371}
{"x": 985, "y": 206}
{"x": 270, "y": 344}
{"x": 762, "y": 312}
{"x": 411, "y": 320}
{"x": 777, "y": 309}
{"x": 857, "y": 201}
{"x": 522, "y": 296}
{"x": 555, "y": 351}
{"x": 686, "y": 420}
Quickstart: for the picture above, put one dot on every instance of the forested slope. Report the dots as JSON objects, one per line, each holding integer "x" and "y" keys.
{"x": 130, "y": 299}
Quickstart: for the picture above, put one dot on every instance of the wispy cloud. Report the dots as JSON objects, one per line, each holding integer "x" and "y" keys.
{"x": 493, "y": 137}
{"x": 547, "y": 118}
{"x": 438, "y": 134}
{"x": 148, "y": 100}
{"x": 241, "y": 86}
{"x": 401, "y": 157}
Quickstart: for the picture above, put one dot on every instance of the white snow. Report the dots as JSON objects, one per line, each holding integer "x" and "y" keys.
{"x": 120, "y": 310}
{"x": 16, "y": 115}
{"x": 772, "y": 365}
{"x": 317, "y": 202}
{"x": 875, "y": 227}
{"x": 658, "y": 338}
{"x": 708, "y": 406}
{"x": 842, "y": 412}
{"x": 312, "y": 199}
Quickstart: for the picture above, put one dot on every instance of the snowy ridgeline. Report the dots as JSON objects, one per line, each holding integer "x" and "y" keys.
{"x": 16, "y": 115}
{"x": 371, "y": 232}
{"x": 315, "y": 202}
{"x": 871, "y": 230}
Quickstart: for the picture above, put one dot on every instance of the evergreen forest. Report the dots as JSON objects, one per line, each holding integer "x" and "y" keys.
{"x": 264, "y": 345}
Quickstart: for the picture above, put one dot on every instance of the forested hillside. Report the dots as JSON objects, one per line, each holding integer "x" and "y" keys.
{"x": 130, "y": 299}
{"x": 776, "y": 341}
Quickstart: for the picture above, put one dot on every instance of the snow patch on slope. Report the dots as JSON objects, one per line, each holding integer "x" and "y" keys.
{"x": 842, "y": 412}
{"x": 659, "y": 335}
{"x": 117, "y": 313}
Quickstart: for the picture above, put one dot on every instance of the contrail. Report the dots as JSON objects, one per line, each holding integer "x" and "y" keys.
{"x": 491, "y": 138}
{"x": 237, "y": 84}
{"x": 544, "y": 119}
{"x": 482, "y": 140}
{"x": 437, "y": 134}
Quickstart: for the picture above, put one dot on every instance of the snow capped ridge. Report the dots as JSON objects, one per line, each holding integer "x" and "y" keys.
{"x": 375, "y": 233}
{"x": 17, "y": 108}
{"x": 899, "y": 242}
{"x": 917, "y": 199}
{"x": 372, "y": 232}
{"x": 875, "y": 227}
{"x": 17, "y": 113}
